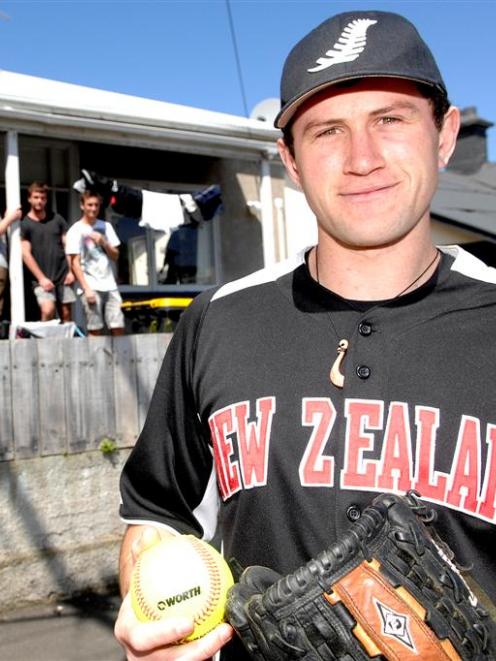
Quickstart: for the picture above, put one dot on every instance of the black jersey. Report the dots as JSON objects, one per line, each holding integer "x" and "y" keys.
{"x": 245, "y": 419}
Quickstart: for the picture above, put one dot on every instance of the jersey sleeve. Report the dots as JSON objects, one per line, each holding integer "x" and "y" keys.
{"x": 169, "y": 476}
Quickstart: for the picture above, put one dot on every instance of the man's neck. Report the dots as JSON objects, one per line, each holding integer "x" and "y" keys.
{"x": 373, "y": 274}
{"x": 88, "y": 221}
{"x": 37, "y": 215}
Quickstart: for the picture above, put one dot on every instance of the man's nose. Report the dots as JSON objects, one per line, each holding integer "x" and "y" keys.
{"x": 364, "y": 153}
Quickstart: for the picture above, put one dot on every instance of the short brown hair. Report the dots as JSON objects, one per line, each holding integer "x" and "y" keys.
{"x": 89, "y": 193}
{"x": 37, "y": 187}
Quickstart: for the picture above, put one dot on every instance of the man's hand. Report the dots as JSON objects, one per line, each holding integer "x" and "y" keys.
{"x": 69, "y": 278}
{"x": 90, "y": 296}
{"x": 12, "y": 215}
{"x": 46, "y": 284}
{"x": 161, "y": 641}
{"x": 97, "y": 238}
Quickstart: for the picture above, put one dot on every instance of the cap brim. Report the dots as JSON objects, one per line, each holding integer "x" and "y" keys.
{"x": 290, "y": 108}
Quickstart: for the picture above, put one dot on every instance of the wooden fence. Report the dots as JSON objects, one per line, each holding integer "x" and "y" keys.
{"x": 61, "y": 396}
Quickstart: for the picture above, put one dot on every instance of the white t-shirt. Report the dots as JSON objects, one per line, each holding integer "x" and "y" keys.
{"x": 96, "y": 265}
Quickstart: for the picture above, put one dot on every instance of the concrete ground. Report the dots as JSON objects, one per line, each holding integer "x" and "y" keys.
{"x": 77, "y": 630}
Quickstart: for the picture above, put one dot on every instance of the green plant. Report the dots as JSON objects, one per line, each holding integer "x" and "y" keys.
{"x": 107, "y": 446}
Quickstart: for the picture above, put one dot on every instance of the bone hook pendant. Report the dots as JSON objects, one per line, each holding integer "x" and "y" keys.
{"x": 337, "y": 378}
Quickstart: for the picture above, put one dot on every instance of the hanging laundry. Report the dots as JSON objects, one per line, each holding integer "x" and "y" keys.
{"x": 93, "y": 182}
{"x": 127, "y": 201}
{"x": 209, "y": 201}
{"x": 161, "y": 211}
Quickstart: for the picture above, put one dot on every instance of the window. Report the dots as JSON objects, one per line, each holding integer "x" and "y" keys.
{"x": 180, "y": 253}
{"x": 52, "y": 162}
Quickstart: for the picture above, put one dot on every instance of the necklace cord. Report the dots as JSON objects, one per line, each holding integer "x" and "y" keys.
{"x": 403, "y": 291}
{"x": 431, "y": 263}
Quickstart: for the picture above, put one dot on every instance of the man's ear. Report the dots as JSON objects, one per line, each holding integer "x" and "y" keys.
{"x": 289, "y": 161}
{"x": 448, "y": 135}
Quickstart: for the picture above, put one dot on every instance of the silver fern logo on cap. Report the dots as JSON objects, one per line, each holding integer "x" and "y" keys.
{"x": 348, "y": 47}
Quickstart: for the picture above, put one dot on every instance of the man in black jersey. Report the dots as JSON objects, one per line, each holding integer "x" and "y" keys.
{"x": 289, "y": 398}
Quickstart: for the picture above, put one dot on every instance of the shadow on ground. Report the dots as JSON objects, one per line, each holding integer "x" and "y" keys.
{"x": 79, "y": 628}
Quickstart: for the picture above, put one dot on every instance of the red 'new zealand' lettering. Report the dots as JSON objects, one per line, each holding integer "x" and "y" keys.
{"x": 253, "y": 440}
{"x": 361, "y": 415}
{"x": 315, "y": 468}
{"x": 230, "y": 425}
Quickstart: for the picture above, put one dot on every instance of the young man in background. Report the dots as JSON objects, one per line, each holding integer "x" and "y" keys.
{"x": 43, "y": 236}
{"x": 92, "y": 246}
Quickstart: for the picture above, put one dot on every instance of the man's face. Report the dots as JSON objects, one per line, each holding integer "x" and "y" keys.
{"x": 37, "y": 200}
{"x": 367, "y": 159}
{"x": 90, "y": 207}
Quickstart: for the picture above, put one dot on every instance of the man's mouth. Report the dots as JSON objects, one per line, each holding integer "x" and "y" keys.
{"x": 368, "y": 192}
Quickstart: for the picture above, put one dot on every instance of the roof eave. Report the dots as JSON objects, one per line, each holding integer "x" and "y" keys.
{"x": 209, "y": 135}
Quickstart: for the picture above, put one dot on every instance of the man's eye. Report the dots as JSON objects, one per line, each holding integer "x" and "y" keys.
{"x": 331, "y": 130}
{"x": 389, "y": 120}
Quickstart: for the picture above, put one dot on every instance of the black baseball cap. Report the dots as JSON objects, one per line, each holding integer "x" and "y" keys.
{"x": 355, "y": 44}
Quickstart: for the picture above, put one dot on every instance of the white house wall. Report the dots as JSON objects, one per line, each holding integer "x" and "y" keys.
{"x": 301, "y": 225}
{"x": 444, "y": 234}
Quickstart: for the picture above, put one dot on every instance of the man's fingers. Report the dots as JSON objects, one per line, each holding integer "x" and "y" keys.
{"x": 205, "y": 647}
{"x": 144, "y": 636}
{"x": 149, "y": 537}
{"x": 162, "y": 640}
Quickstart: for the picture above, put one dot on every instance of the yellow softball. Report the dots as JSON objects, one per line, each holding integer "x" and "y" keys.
{"x": 181, "y": 577}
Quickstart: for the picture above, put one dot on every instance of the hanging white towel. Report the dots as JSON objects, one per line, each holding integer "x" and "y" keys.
{"x": 161, "y": 211}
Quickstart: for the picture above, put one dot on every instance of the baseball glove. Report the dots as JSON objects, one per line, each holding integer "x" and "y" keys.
{"x": 387, "y": 590}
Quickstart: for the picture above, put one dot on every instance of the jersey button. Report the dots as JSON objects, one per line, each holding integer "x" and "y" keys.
{"x": 365, "y": 328}
{"x": 353, "y": 513}
{"x": 363, "y": 372}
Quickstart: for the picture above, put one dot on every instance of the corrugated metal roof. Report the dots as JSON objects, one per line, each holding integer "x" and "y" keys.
{"x": 468, "y": 200}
